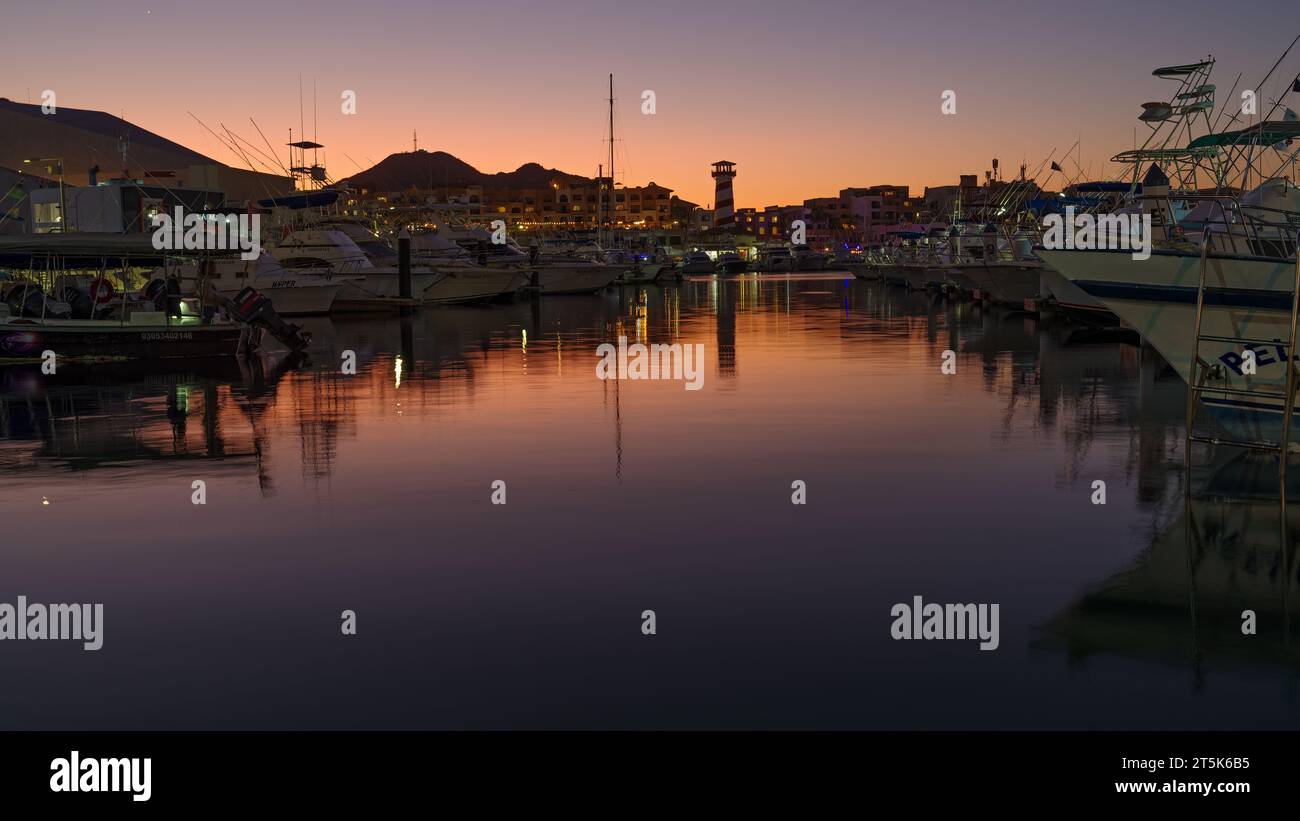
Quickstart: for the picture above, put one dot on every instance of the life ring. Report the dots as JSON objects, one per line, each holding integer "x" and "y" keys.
{"x": 101, "y": 291}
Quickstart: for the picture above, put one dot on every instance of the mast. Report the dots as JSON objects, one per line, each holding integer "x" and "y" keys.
{"x": 611, "y": 157}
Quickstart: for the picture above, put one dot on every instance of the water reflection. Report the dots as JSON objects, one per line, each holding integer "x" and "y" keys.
{"x": 1229, "y": 549}
{"x": 372, "y": 490}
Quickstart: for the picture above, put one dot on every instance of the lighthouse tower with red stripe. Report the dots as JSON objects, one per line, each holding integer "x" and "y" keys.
{"x": 724, "y": 203}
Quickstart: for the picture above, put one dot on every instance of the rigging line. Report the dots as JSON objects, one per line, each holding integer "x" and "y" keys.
{"x": 213, "y": 133}
{"x": 1260, "y": 86}
{"x": 260, "y": 181}
{"x": 269, "y": 146}
{"x": 238, "y": 139}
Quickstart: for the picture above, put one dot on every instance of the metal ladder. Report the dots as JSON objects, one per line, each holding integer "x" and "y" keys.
{"x": 1201, "y": 371}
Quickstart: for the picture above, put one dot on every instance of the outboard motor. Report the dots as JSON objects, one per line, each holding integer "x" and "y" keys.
{"x": 253, "y": 308}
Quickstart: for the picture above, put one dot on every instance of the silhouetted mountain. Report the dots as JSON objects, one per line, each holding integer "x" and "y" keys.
{"x": 424, "y": 169}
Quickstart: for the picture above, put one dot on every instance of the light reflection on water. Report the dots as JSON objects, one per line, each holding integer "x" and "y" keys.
{"x": 371, "y": 492}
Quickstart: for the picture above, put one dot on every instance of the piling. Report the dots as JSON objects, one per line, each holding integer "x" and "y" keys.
{"x": 404, "y": 264}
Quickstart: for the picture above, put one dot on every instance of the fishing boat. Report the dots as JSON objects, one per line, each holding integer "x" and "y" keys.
{"x": 366, "y": 287}
{"x": 74, "y": 296}
{"x": 293, "y": 293}
{"x": 697, "y": 262}
{"x": 464, "y": 280}
{"x": 1246, "y": 249}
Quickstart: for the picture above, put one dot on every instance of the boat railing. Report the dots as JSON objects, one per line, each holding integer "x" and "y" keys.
{"x": 1263, "y": 230}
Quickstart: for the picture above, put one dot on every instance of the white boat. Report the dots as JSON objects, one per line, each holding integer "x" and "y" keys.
{"x": 464, "y": 283}
{"x": 1250, "y": 278}
{"x": 575, "y": 277}
{"x": 293, "y": 293}
{"x": 366, "y": 287}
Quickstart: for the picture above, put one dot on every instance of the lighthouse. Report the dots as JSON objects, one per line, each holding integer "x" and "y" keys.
{"x": 724, "y": 203}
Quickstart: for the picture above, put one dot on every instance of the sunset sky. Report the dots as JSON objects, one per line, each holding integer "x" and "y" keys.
{"x": 806, "y": 97}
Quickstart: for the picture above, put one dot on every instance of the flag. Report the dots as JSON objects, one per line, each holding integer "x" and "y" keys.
{"x": 1055, "y": 167}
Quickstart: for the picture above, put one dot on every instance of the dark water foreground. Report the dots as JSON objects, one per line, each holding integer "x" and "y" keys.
{"x": 372, "y": 493}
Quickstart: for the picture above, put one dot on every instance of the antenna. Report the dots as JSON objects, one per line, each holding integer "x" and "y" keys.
{"x": 415, "y": 142}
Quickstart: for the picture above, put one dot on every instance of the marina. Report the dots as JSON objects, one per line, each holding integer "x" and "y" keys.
{"x": 799, "y": 375}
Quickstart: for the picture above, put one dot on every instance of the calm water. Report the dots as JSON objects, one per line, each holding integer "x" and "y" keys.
{"x": 371, "y": 492}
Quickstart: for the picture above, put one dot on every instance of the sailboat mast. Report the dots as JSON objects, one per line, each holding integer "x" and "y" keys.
{"x": 611, "y": 156}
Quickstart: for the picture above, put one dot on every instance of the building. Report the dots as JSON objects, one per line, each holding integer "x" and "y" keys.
{"x": 81, "y": 147}
{"x": 115, "y": 207}
{"x": 564, "y": 205}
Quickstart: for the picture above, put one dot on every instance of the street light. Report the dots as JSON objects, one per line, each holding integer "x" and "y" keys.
{"x": 63, "y": 209}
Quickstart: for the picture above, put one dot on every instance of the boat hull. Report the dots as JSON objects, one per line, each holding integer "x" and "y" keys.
{"x": 379, "y": 293}
{"x": 23, "y": 340}
{"x": 1071, "y": 298}
{"x": 698, "y": 267}
{"x": 474, "y": 285}
{"x": 576, "y": 279}
{"x": 1245, "y": 298}
{"x": 296, "y": 300}
{"x": 1008, "y": 283}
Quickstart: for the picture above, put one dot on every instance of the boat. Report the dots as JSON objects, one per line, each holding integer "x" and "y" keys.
{"x": 574, "y": 277}
{"x": 293, "y": 293}
{"x": 1249, "y": 255}
{"x": 464, "y": 281}
{"x": 774, "y": 259}
{"x": 697, "y": 262}
{"x": 804, "y": 258}
{"x": 143, "y": 334}
{"x": 730, "y": 264}
{"x": 366, "y": 287}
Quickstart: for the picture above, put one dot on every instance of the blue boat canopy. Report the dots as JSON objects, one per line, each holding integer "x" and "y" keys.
{"x": 305, "y": 199}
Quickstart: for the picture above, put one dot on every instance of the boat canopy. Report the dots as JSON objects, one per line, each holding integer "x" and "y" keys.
{"x": 1116, "y": 186}
{"x": 1166, "y": 154}
{"x": 1266, "y": 133}
{"x": 1208, "y": 88}
{"x": 91, "y": 249}
{"x": 1180, "y": 71}
{"x": 304, "y": 199}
